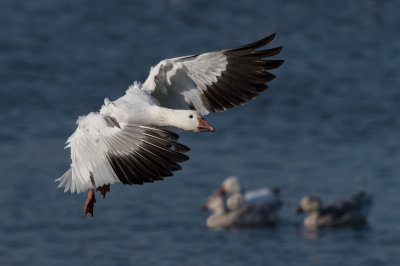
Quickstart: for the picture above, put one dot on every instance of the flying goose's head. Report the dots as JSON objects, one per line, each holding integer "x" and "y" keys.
{"x": 193, "y": 121}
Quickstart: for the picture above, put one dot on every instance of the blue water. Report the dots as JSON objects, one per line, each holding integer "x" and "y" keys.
{"x": 328, "y": 125}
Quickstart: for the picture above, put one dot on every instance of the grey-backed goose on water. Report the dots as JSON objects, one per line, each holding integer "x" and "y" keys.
{"x": 352, "y": 211}
{"x": 127, "y": 141}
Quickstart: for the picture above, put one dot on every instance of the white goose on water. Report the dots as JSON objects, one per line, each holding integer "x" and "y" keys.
{"x": 244, "y": 214}
{"x": 237, "y": 196}
{"x": 127, "y": 141}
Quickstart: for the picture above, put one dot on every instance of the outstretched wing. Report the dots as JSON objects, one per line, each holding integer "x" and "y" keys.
{"x": 215, "y": 81}
{"x": 104, "y": 152}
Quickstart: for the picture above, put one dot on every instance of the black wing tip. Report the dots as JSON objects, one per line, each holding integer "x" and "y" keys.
{"x": 155, "y": 157}
{"x": 256, "y": 44}
{"x": 270, "y": 37}
{"x": 277, "y": 50}
{"x": 264, "y": 41}
{"x": 137, "y": 171}
{"x": 185, "y": 158}
{"x": 180, "y": 147}
{"x": 272, "y": 64}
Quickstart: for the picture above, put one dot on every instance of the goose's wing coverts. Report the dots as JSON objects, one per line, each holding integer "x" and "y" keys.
{"x": 215, "y": 81}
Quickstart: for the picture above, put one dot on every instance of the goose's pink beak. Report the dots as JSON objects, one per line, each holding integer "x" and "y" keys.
{"x": 204, "y": 127}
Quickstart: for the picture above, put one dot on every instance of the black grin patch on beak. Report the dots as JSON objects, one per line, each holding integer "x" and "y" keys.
{"x": 204, "y": 127}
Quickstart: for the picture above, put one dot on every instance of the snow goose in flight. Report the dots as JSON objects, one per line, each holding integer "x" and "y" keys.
{"x": 127, "y": 141}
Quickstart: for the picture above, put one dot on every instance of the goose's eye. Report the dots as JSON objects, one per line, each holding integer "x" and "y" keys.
{"x": 190, "y": 116}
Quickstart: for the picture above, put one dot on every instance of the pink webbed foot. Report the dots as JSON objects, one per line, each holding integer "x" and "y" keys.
{"x": 103, "y": 190}
{"x": 89, "y": 204}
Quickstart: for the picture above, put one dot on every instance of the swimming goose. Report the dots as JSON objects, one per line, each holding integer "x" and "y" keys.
{"x": 238, "y": 197}
{"x": 127, "y": 140}
{"x": 243, "y": 216}
{"x": 352, "y": 211}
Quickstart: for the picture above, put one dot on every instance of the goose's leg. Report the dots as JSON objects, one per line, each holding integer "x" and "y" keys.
{"x": 88, "y": 208}
{"x": 103, "y": 190}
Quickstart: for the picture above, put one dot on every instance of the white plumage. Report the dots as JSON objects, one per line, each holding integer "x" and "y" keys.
{"x": 125, "y": 141}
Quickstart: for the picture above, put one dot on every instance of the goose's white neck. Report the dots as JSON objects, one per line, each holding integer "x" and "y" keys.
{"x": 219, "y": 211}
{"x": 311, "y": 220}
{"x": 165, "y": 117}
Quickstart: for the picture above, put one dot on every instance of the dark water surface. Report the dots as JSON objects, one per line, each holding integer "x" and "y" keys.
{"x": 328, "y": 125}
